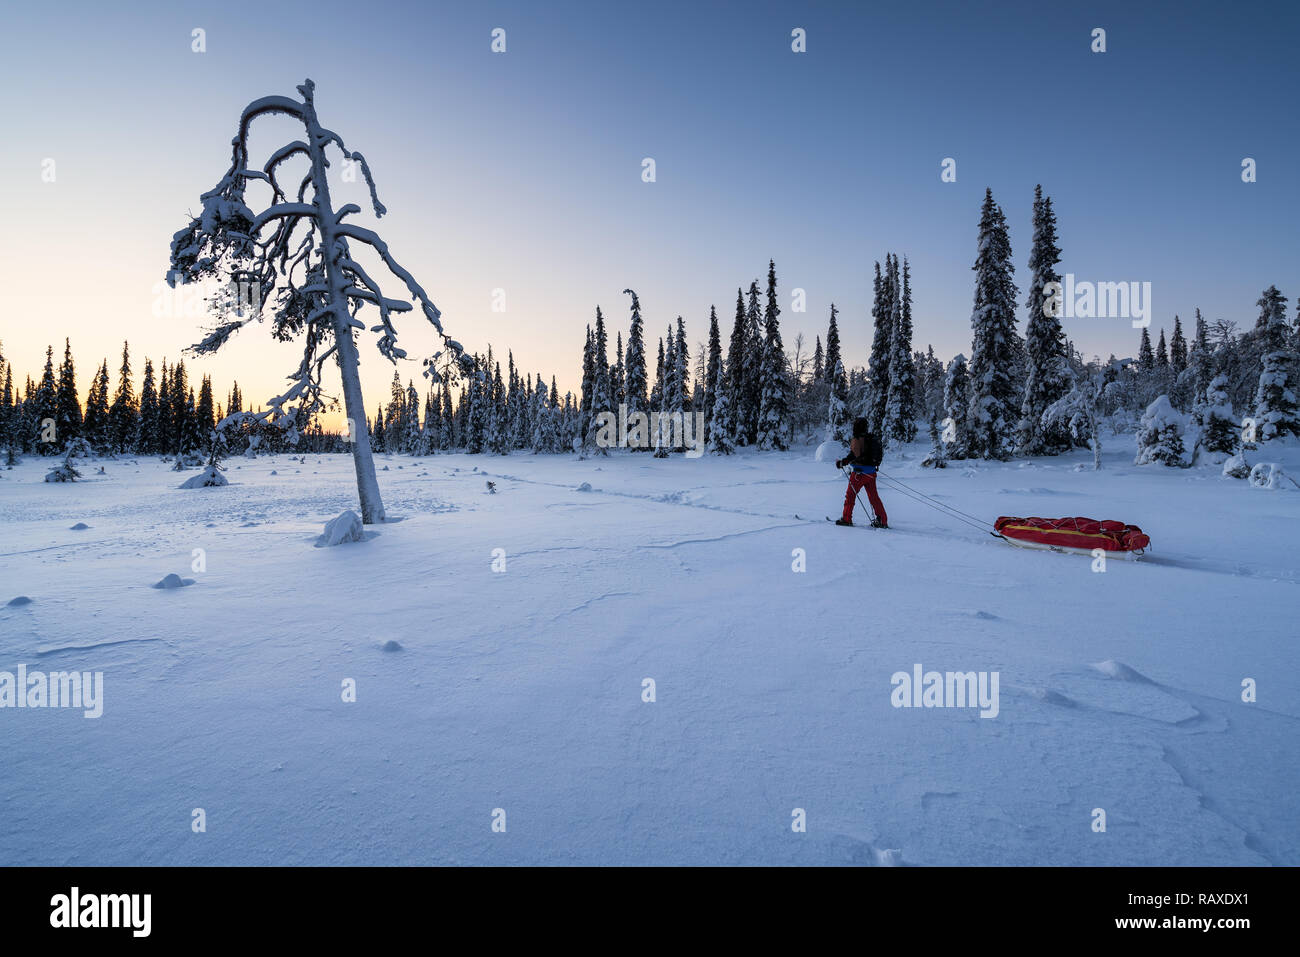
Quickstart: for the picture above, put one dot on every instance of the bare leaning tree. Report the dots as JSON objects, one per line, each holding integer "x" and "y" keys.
{"x": 296, "y": 254}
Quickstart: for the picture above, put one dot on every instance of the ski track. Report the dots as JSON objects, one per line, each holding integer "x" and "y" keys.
{"x": 502, "y": 699}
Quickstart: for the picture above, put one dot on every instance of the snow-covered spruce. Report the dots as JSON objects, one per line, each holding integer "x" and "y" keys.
{"x": 899, "y": 425}
{"x": 1277, "y": 412}
{"x": 993, "y": 411}
{"x": 882, "y": 305}
{"x": 956, "y": 394}
{"x": 838, "y": 422}
{"x": 210, "y": 477}
{"x": 1162, "y": 438}
{"x": 1219, "y": 431}
{"x": 1236, "y": 466}
{"x": 1047, "y": 374}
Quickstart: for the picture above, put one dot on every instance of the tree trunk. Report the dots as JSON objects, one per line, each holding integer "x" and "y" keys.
{"x": 372, "y": 506}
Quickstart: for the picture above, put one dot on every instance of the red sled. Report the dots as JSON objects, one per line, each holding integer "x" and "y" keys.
{"x": 1079, "y": 535}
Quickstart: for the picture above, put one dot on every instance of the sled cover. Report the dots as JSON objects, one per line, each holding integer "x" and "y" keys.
{"x": 1081, "y": 533}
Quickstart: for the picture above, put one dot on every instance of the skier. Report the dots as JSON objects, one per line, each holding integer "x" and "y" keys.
{"x": 865, "y": 453}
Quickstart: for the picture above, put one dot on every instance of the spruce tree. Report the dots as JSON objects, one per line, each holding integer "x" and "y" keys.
{"x": 45, "y": 405}
{"x": 180, "y": 388}
{"x": 899, "y": 424}
{"x": 8, "y": 413}
{"x": 774, "y": 397}
{"x": 1146, "y": 356}
{"x": 1277, "y": 412}
{"x": 753, "y": 366}
{"x": 600, "y": 366}
{"x": 837, "y": 412}
{"x": 734, "y": 376}
{"x": 992, "y": 412}
{"x": 882, "y": 338}
{"x": 188, "y": 439}
{"x": 1047, "y": 372}
{"x": 617, "y": 375}
{"x": 1218, "y": 430}
{"x": 838, "y": 421}
{"x": 165, "y": 406}
{"x": 657, "y": 390}
{"x": 206, "y": 412}
{"x": 956, "y": 406}
{"x": 586, "y": 407}
{"x": 147, "y": 443}
{"x": 447, "y": 420}
{"x": 635, "y": 388}
{"x": 1178, "y": 349}
{"x": 682, "y": 356}
{"x": 124, "y": 416}
{"x": 95, "y": 425}
{"x": 496, "y": 426}
{"x": 819, "y": 362}
{"x": 479, "y": 395}
{"x": 712, "y": 374}
{"x": 722, "y": 418}
{"x": 670, "y": 394}
{"x": 1162, "y": 352}
{"x": 1202, "y": 355}
{"x": 68, "y": 414}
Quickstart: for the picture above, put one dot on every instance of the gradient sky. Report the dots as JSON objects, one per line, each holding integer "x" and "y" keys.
{"x": 522, "y": 170}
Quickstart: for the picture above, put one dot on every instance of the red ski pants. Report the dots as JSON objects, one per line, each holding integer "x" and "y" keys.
{"x": 857, "y": 482}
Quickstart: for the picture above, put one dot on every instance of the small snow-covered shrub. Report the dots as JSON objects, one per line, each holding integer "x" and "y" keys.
{"x": 1236, "y": 467}
{"x": 187, "y": 460}
{"x": 1218, "y": 426}
{"x": 1160, "y": 438}
{"x": 64, "y": 472}
{"x": 936, "y": 458}
{"x": 210, "y": 477}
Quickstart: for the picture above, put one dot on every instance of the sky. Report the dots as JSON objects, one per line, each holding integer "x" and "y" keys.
{"x": 522, "y": 171}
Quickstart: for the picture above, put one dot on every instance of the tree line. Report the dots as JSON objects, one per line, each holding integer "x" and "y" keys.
{"x": 1017, "y": 395}
{"x": 166, "y": 417}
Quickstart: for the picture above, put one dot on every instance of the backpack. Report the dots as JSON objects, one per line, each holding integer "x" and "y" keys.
{"x": 872, "y": 450}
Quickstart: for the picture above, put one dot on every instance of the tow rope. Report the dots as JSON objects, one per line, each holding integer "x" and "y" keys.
{"x": 942, "y": 507}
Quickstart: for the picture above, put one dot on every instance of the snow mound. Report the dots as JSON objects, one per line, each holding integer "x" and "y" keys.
{"x": 889, "y": 857}
{"x": 584, "y": 487}
{"x": 1268, "y": 475}
{"x": 828, "y": 451}
{"x": 20, "y": 600}
{"x": 210, "y": 477}
{"x": 1121, "y": 672}
{"x": 173, "y": 581}
{"x": 1048, "y": 696}
{"x": 79, "y": 527}
{"x": 390, "y": 645}
{"x": 346, "y": 528}
{"x": 1236, "y": 467}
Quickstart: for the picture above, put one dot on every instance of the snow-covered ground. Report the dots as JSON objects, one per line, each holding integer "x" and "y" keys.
{"x": 521, "y": 689}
